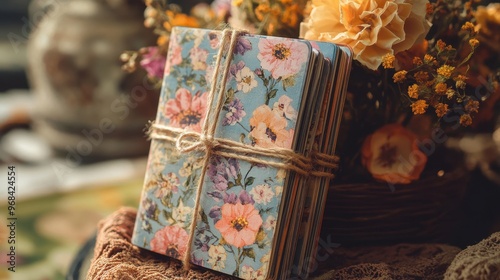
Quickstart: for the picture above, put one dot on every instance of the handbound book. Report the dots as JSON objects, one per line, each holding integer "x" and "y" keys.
{"x": 241, "y": 152}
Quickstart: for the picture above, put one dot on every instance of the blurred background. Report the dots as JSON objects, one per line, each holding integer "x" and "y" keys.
{"x": 72, "y": 126}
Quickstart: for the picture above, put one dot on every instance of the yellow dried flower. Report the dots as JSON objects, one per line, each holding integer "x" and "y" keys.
{"x": 468, "y": 26}
{"x": 441, "y": 109}
{"x": 388, "y": 61}
{"x": 474, "y": 43}
{"x": 460, "y": 84}
{"x": 472, "y": 106}
{"x": 421, "y": 77}
{"x": 291, "y": 15}
{"x": 149, "y": 22}
{"x": 236, "y": 3}
{"x": 465, "y": 120}
{"x": 184, "y": 20}
{"x": 429, "y": 8}
{"x": 417, "y": 61}
{"x": 262, "y": 10}
{"x": 429, "y": 58}
{"x": 419, "y": 107}
{"x": 450, "y": 93}
{"x": 276, "y": 10}
{"x": 150, "y": 12}
{"x": 413, "y": 91}
{"x": 445, "y": 71}
{"x": 400, "y": 76}
{"x": 441, "y": 45}
{"x": 441, "y": 88}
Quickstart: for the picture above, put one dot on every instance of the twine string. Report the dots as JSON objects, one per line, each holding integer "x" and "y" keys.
{"x": 209, "y": 125}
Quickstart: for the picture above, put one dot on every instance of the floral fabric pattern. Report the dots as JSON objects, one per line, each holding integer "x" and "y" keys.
{"x": 240, "y": 201}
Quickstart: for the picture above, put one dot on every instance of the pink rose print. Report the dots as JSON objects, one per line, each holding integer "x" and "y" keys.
{"x": 174, "y": 55}
{"x": 186, "y": 110}
{"x": 171, "y": 241}
{"x": 281, "y": 57}
{"x": 239, "y": 224}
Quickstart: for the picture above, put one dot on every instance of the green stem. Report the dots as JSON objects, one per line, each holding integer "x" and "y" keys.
{"x": 244, "y": 128}
{"x": 246, "y": 175}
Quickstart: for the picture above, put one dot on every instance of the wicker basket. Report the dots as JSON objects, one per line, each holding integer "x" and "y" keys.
{"x": 424, "y": 211}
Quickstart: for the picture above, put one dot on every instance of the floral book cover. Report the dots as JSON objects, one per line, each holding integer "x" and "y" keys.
{"x": 236, "y": 221}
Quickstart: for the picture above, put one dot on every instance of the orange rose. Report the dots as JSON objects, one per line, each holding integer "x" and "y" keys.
{"x": 391, "y": 155}
{"x": 372, "y": 28}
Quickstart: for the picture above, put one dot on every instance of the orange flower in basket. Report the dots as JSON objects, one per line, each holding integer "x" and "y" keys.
{"x": 391, "y": 155}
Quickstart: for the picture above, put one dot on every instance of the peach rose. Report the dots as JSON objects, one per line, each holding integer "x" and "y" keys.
{"x": 372, "y": 28}
{"x": 170, "y": 241}
{"x": 268, "y": 129}
{"x": 391, "y": 154}
{"x": 488, "y": 19}
{"x": 239, "y": 224}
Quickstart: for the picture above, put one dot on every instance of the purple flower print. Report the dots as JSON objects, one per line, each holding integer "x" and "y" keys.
{"x": 215, "y": 195}
{"x": 215, "y": 213}
{"x": 235, "y": 112}
{"x": 197, "y": 261}
{"x": 230, "y": 198}
{"x": 153, "y": 62}
{"x": 246, "y": 198}
{"x": 259, "y": 72}
{"x": 201, "y": 241}
{"x": 242, "y": 46}
{"x": 243, "y": 198}
{"x": 149, "y": 208}
{"x": 234, "y": 68}
{"x": 232, "y": 167}
{"x": 216, "y": 173}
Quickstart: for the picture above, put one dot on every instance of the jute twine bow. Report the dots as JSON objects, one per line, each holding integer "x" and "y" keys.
{"x": 316, "y": 164}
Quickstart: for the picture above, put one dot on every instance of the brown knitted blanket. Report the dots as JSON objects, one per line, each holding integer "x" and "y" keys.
{"x": 116, "y": 258}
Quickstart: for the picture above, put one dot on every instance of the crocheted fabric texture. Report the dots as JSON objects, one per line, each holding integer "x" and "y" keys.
{"x": 116, "y": 258}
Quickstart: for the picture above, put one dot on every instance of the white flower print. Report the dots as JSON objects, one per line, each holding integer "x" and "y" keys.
{"x": 262, "y": 194}
{"x": 283, "y": 108}
{"x": 270, "y": 223}
{"x": 247, "y": 272}
{"x": 246, "y": 80}
{"x": 278, "y": 190}
{"x": 217, "y": 257}
{"x": 181, "y": 213}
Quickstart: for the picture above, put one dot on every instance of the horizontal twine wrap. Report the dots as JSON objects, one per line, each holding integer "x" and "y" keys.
{"x": 316, "y": 164}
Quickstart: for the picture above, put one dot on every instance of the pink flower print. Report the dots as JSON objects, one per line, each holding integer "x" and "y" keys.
{"x": 170, "y": 241}
{"x": 174, "y": 55}
{"x": 239, "y": 224}
{"x": 186, "y": 110}
{"x": 199, "y": 58}
{"x": 169, "y": 184}
{"x": 214, "y": 40}
{"x": 282, "y": 57}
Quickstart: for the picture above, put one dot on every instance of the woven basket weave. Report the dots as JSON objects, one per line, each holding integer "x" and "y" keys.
{"x": 426, "y": 210}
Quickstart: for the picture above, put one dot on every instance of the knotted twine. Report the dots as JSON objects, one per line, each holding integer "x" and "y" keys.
{"x": 316, "y": 164}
